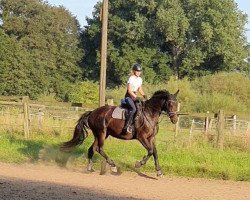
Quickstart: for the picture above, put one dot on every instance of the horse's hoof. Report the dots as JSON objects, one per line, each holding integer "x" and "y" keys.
{"x": 159, "y": 173}
{"x": 114, "y": 169}
{"x": 116, "y": 172}
{"x": 137, "y": 164}
{"x": 90, "y": 169}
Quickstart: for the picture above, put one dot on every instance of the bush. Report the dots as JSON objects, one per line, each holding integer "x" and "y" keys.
{"x": 86, "y": 92}
{"x": 216, "y": 101}
{"x": 116, "y": 94}
{"x": 46, "y": 97}
{"x": 187, "y": 95}
{"x": 227, "y": 91}
{"x": 231, "y": 84}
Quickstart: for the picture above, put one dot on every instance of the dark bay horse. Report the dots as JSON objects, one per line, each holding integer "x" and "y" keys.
{"x": 102, "y": 124}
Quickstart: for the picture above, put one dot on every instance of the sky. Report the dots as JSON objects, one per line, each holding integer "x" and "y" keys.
{"x": 83, "y": 8}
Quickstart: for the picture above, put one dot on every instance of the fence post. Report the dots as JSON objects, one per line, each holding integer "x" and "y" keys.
{"x": 220, "y": 129}
{"x": 248, "y": 128}
{"x": 25, "y": 100}
{"x": 110, "y": 102}
{"x": 190, "y": 132}
{"x": 206, "y": 126}
{"x": 234, "y": 124}
{"x": 177, "y": 123}
{"x": 40, "y": 115}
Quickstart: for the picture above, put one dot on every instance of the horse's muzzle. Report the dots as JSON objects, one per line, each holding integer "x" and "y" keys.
{"x": 173, "y": 116}
{"x": 174, "y": 119}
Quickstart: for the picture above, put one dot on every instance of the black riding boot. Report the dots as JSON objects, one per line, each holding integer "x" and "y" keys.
{"x": 127, "y": 127}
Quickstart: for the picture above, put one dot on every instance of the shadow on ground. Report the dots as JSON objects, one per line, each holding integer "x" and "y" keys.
{"x": 136, "y": 170}
{"x": 17, "y": 189}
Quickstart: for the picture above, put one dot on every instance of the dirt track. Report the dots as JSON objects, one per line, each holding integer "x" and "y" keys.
{"x": 47, "y": 182}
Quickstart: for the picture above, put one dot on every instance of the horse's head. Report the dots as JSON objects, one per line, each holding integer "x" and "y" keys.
{"x": 169, "y": 104}
{"x": 171, "y": 107}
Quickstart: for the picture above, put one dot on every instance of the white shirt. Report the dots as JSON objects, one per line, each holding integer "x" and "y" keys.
{"x": 135, "y": 82}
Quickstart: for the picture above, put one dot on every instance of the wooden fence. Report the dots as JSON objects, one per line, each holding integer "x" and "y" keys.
{"x": 231, "y": 125}
{"x": 217, "y": 127}
{"x": 27, "y": 117}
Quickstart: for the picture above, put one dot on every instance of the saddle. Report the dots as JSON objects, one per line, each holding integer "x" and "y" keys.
{"x": 121, "y": 111}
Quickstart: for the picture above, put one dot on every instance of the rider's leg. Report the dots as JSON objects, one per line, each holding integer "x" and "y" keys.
{"x": 132, "y": 110}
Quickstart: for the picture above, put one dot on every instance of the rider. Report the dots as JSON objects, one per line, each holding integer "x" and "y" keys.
{"x": 134, "y": 85}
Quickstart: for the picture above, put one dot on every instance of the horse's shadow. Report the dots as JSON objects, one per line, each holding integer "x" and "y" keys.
{"x": 136, "y": 170}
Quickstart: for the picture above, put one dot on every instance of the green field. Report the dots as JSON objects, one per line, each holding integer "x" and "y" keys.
{"x": 177, "y": 156}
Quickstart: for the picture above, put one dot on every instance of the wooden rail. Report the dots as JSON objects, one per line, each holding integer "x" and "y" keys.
{"x": 32, "y": 116}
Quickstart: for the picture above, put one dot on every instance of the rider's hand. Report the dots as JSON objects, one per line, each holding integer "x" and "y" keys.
{"x": 134, "y": 98}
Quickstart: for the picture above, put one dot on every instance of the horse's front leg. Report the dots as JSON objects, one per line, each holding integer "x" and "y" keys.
{"x": 157, "y": 165}
{"x": 149, "y": 146}
{"x": 144, "y": 160}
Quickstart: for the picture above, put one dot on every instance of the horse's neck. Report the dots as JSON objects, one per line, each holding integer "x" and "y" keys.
{"x": 153, "y": 109}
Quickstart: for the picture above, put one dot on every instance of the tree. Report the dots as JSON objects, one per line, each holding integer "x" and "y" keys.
{"x": 185, "y": 37}
{"x": 216, "y": 39}
{"x": 121, "y": 53}
{"x": 46, "y": 39}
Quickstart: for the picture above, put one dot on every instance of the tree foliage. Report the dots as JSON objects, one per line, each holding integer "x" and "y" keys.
{"x": 39, "y": 48}
{"x": 44, "y": 51}
{"x": 185, "y": 37}
{"x": 85, "y": 92}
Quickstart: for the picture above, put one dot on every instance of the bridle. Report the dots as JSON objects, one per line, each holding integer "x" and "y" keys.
{"x": 169, "y": 113}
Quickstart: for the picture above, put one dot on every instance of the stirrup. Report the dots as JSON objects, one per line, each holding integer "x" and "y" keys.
{"x": 129, "y": 129}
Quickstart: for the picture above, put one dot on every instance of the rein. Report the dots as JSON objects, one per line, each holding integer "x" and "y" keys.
{"x": 170, "y": 114}
{"x": 146, "y": 118}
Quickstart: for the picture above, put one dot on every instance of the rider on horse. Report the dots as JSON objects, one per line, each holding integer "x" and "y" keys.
{"x": 134, "y": 85}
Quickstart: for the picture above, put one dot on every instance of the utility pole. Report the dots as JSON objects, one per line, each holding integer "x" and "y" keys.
{"x": 104, "y": 19}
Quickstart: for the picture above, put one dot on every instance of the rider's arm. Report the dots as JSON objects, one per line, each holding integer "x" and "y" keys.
{"x": 141, "y": 91}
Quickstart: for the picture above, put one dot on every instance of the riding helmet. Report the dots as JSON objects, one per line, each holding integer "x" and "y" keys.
{"x": 137, "y": 67}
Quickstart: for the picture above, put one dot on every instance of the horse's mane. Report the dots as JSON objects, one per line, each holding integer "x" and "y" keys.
{"x": 157, "y": 99}
{"x": 161, "y": 93}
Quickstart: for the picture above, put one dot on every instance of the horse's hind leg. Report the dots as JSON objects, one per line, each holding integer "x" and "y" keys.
{"x": 91, "y": 151}
{"x": 103, "y": 154}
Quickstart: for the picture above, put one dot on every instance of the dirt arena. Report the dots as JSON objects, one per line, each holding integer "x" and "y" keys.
{"x": 19, "y": 182}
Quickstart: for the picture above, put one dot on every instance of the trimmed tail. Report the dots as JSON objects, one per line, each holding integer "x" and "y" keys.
{"x": 80, "y": 132}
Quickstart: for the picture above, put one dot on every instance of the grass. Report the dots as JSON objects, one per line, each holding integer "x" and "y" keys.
{"x": 177, "y": 158}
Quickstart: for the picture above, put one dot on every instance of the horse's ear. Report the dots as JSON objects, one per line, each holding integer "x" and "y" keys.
{"x": 176, "y": 93}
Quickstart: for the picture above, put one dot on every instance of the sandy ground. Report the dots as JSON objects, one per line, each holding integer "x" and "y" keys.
{"x": 18, "y": 182}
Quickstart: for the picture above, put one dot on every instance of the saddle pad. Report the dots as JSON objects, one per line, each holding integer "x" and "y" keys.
{"x": 119, "y": 113}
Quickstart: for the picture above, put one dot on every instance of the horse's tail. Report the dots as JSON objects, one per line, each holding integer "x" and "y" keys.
{"x": 80, "y": 132}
